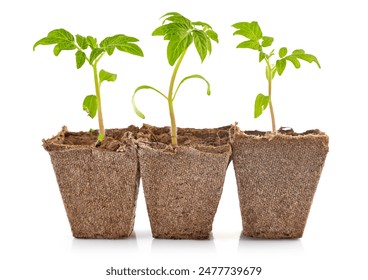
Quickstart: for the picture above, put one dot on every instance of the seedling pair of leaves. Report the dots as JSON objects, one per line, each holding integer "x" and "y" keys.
{"x": 64, "y": 40}
{"x": 256, "y": 41}
{"x": 181, "y": 33}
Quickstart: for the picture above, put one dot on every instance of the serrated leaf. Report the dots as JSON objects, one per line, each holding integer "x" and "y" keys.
{"x": 213, "y": 35}
{"x": 250, "y": 44}
{"x": 55, "y": 37}
{"x": 195, "y": 76}
{"x": 176, "y": 46}
{"x": 294, "y": 60}
{"x": 82, "y": 42}
{"x": 94, "y": 54}
{"x": 171, "y": 30}
{"x": 90, "y": 105}
{"x": 80, "y": 58}
{"x": 61, "y": 34}
{"x": 282, "y": 52}
{"x": 63, "y": 46}
{"x": 250, "y": 30}
{"x": 203, "y": 24}
{"x": 45, "y": 41}
{"x": 201, "y": 44}
{"x": 177, "y": 18}
{"x": 267, "y": 41}
{"x": 92, "y": 42}
{"x": 130, "y": 48}
{"x": 260, "y": 104}
{"x": 300, "y": 54}
{"x": 280, "y": 66}
{"x": 112, "y": 42}
{"x": 309, "y": 58}
{"x": 107, "y": 76}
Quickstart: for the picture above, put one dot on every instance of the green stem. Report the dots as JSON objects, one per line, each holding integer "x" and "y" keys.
{"x": 269, "y": 69}
{"x": 174, "y": 138}
{"x": 99, "y": 108}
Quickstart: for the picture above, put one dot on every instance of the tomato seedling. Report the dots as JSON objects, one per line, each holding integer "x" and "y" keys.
{"x": 64, "y": 40}
{"x": 258, "y": 42}
{"x": 181, "y": 33}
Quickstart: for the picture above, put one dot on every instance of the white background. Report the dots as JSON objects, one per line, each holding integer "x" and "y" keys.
{"x": 40, "y": 93}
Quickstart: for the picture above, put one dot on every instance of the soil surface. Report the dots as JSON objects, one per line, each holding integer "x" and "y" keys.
{"x": 186, "y": 136}
{"x": 114, "y": 139}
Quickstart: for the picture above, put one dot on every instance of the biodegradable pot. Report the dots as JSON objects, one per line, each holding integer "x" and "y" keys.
{"x": 98, "y": 185}
{"x": 277, "y": 176}
{"x": 183, "y": 184}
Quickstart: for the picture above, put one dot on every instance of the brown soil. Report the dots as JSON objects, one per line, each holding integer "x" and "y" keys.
{"x": 114, "y": 139}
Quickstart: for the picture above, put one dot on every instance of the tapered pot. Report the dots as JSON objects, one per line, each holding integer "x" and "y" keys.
{"x": 98, "y": 185}
{"x": 277, "y": 176}
{"x": 183, "y": 184}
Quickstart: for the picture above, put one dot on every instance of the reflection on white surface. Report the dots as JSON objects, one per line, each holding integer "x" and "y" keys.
{"x": 253, "y": 246}
{"x": 105, "y": 246}
{"x": 193, "y": 247}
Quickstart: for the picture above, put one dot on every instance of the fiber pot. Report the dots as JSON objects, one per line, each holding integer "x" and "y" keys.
{"x": 98, "y": 185}
{"x": 183, "y": 184}
{"x": 277, "y": 176}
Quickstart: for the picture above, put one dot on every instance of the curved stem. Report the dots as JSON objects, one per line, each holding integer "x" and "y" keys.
{"x": 170, "y": 99}
{"x": 99, "y": 108}
{"x": 269, "y": 69}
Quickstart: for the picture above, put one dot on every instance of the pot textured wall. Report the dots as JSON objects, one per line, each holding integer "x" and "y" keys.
{"x": 277, "y": 176}
{"x": 99, "y": 187}
{"x": 182, "y": 187}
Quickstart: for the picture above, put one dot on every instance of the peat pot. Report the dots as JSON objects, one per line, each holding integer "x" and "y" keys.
{"x": 277, "y": 176}
{"x": 183, "y": 184}
{"x": 98, "y": 185}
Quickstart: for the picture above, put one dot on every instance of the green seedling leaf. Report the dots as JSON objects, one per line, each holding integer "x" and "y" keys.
{"x": 280, "y": 66}
{"x": 106, "y": 76}
{"x": 57, "y": 36}
{"x": 92, "y": 42}
{"x": 262, "y": 56}
{"x": 260, "y": 105}
{"x": 80, "y": 58}
{"x": 195, "y": 76}
{"x": 267, "y": 41}
{"x": 136, "y": 110}
{"x": 131, "y": 48}
{"x": 63, "y": 46}
{"x": 294, "y": 59}
{"x": 181, "y": 32}
{"x": 213, "y": 35}
{"x": 282, "y": 52}
{"x": 250, "y": 30}
{"x": 90, "y": 105}
{"x": 122, "y": 43}
{"x": 201, "y": 43}
{"x": 176, "y": 46}
{"x": 82, "y": 42}
{"x": 95, "y": 53}
{"x": 250, "y": 44}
